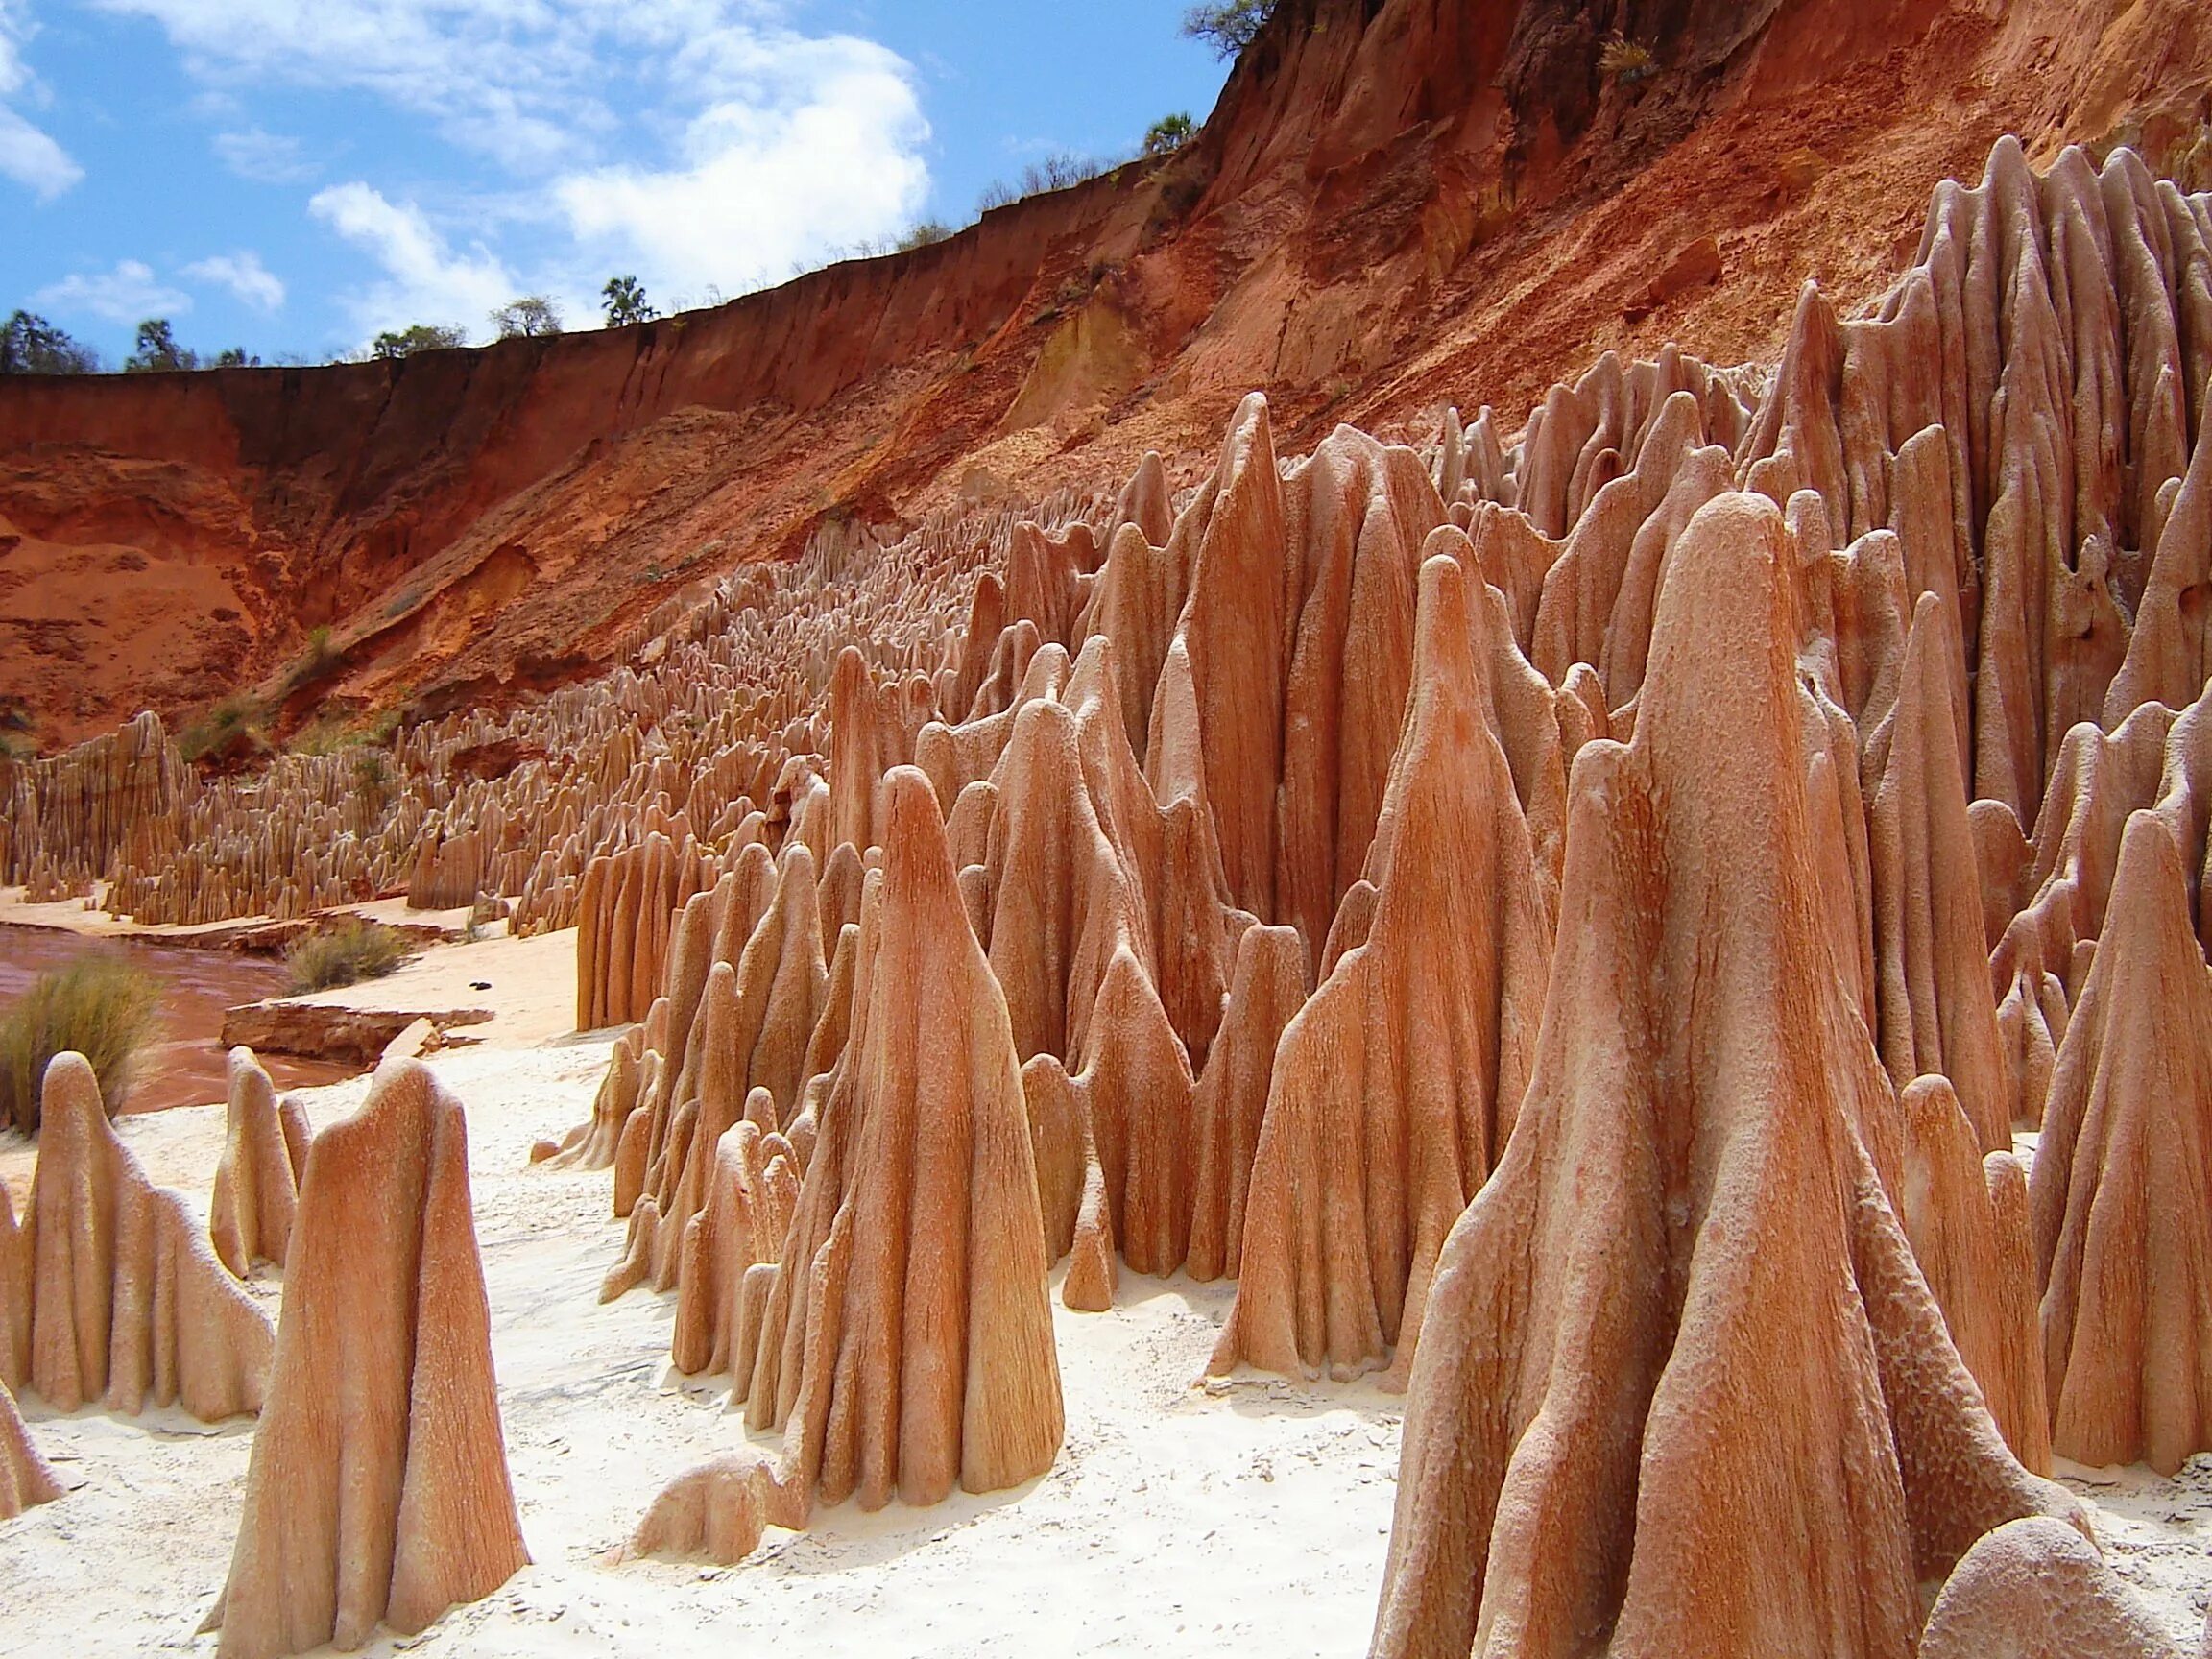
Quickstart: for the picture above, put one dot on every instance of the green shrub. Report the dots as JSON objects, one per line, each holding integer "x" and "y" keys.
{"x": 372, "y": 777}
{"x": 1056, "y": 172}
{"x": 319, "y": 660}
{"x": 30, "y": 345}
{"x": 1169, "y": 135}
{"x": 100, "y": 1006}
{"x": 422, "y": 337}
{"x": 236, "y": 719}
{"x": 1626, "y": 61}
{"x": 624, "y": 302}
{"x": 345, "y": 954}
{"x": 533, "y": 317}
{"x": 157, "y": 349}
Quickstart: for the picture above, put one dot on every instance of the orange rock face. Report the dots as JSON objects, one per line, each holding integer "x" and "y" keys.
{"x": 377, "y": 1491}
{"x": 2037, "y": 1589}
{"x": 1967, "y": 1217}
{"x": 2123, "y": 1234}
{"x": 1396, "y": 1087}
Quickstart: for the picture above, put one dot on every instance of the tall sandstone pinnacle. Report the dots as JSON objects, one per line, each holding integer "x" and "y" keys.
{"x": 1967, "y": 1217}
{"x": 257, "y": 1180}
{"x": 1933, "y": 1010}
{"x": 1679, "y": 1378}
{"x": 746, "y": 991}
{"x": 1228, "y": 1109}
{"x": 1394, "y": 1087}
{"x": 377, "y": 1490}
{"x": 2122, "y": 1189}
{"x": 115, "y": 1295}
{"x": 905, "y": 1344}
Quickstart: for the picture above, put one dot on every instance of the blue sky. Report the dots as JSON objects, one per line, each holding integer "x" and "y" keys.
{"x": 293, "y": 175}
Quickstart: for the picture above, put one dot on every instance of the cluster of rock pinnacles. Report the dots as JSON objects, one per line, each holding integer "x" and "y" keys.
{"x": 377, "y": 1490}
{"x": 1571, "y": 926}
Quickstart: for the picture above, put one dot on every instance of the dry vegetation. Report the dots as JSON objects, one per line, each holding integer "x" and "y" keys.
{"x": 102, "y": 1007}
{"x": 345, "y": 954}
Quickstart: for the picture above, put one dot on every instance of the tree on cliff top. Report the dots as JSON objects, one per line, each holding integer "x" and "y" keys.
{"x": 624, "y": 302}
{"x": 533, "y": 317}
{"x": 1169, "y": 135}
{"x": 420, "y": 337}
{"x": 30, "y": 345}
{"x": 157, "y": 349}
{"x": 1228, "y": 26}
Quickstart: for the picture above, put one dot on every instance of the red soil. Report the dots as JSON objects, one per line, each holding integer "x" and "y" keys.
{"x": 1398, "y": 204}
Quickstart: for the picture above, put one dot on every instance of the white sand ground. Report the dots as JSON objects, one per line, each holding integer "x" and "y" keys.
{"x": 1179, "y": 1518}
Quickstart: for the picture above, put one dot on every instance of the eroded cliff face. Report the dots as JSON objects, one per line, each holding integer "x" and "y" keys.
{"x": 1394, "y": 204}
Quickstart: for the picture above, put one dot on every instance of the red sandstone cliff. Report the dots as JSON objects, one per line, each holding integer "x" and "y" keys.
{"x": 1397, "y": 203}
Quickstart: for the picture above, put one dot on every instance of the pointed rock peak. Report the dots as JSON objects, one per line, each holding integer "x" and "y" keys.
{"x": 1267, "y": 988}
{"x": 1717, "y": 1335}
{"x": 1237, "y": 631}
{"x": 1414, "y": 1052}
{"x": 906, "y": 1339}
{"x": 377, "y": 1490}
{"x": 2123, "y": 1219}
{"x": 2170, "y": 653}
{"x": 1146, "y": 504}
{"x": 257, "y": 1181}
{"x": 26, "y": 1478}
{"x": 1933, "y": 1011}
{"x": 1967, "y": 1221}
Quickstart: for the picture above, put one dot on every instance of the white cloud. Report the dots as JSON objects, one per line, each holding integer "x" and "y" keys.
{"x": 702, "y": 144}
{"x": 820, "y": 149}
{"x": 424, "y": 280}
{"x": 265, "y": 157}
{"x": 524, "y": 81}
{"x": 27, "y": 155}
{"x": 128, "y": 294}
{"x": 245, "y": 275}
{"x": 32, "y": 159}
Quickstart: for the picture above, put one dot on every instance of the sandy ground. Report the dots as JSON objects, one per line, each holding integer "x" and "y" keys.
{"x": 1179, "y": 1518}
{"x": 528, "y": 984}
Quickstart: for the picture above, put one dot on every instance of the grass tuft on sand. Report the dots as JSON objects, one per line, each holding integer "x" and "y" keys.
{"x": 98, "y": 1006}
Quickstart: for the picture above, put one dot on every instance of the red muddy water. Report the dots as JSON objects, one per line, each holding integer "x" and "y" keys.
{"x": 186, "y": 1068}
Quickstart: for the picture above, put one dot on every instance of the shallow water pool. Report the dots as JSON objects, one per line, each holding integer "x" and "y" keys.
{"x": 187, "y": 1066}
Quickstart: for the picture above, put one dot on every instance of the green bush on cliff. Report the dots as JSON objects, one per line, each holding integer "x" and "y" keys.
{"x": 238, "y": 721}
{"x": 421, "y": 337}
{"x": 30, "y": 345}
{"x": 1169, "y": 135}
{"x": 531, "y": 317}
{"x": 1228, "y": 26}
{"x": 101, "y": 1007}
